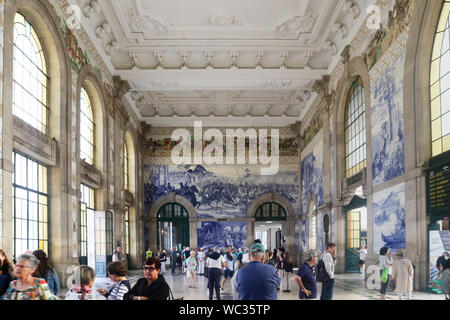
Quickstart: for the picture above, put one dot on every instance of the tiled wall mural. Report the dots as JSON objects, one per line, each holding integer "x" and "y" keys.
{"x": 312, "y": 173}
{"x": 222, "y": 234}
{"x": 297, "y": 235}
{"x": 333, "y": 225}
{"x": 219, "y": 191}
{"x": 387, "y": 123}
{"x": 161, "y": 147}
{"x": 305, "y": 234}
{"x": 320, "y": 233}
{"x": 389, "y": 227}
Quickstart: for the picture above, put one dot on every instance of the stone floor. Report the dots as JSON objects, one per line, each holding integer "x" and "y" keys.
{"x": 347, "y": 287}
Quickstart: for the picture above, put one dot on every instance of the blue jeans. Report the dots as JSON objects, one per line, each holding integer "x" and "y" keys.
{"x": 173, "y": 264}
{"x": 214, "y": 276}
{"x": 327, "y": 290}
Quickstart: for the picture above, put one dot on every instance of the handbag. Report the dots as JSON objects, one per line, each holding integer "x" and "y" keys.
{"x": 384, "y": 275}
{"x": 171, "y": 297}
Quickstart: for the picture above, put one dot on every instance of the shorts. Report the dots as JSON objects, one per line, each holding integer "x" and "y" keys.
{"x": 361, "y": 262}
{"x": 228, "y": 274}
{"x": 190, "y": 273}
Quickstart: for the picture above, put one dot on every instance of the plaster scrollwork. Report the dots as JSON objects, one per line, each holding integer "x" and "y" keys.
{"x": 295, "y": 26}
{"x": 278, "y": 84}
{"x": 90, "y": 8}
{"x": 111, "y": 46}
{"x": 329, "y": 45}
{"x": 103, "y": 30}
{"x": 351, "y": 8}
{"x": 302, "y": 97}
{"x": 307, "y": 57}
{"x": 169, "y": 84}
{"x": 341, "y": 29}
{"x": 150, "y": 23}
{"x": 221, "y": 18}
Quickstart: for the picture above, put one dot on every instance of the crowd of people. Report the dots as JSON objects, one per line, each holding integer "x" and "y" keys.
{"x": 254, "y": 274}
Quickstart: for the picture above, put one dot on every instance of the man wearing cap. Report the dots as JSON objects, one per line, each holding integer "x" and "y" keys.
{"x": 257, "y": 281}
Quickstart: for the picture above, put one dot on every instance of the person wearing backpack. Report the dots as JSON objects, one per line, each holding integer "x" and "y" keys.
{"x": 385, "y": 270}
{"x": 286, "y": 272}
{"x": 325, "y": 271}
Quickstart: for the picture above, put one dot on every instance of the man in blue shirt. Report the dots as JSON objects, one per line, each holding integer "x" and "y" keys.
{"x": 305, "y": 277}
{"x": 257, "y": 281}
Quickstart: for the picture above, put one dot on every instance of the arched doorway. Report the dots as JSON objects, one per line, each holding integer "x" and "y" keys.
{"x": 269, "y": 221}
{"x": 172, "y": 226}
{"x": 355, "y": 232}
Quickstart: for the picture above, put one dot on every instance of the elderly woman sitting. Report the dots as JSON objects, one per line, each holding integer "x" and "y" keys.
{"x": 26, "y": 287}
{"x": 152, "y": 286}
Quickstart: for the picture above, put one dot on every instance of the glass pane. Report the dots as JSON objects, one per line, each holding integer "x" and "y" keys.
{"x": 29, "y": 76}
{"x": 440, "y": 84}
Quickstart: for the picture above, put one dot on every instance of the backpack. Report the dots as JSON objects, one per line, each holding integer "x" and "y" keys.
{"x": 321, "y": 272}
{"x": 288, "y": 267}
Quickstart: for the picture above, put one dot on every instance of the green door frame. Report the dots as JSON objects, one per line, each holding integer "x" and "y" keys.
{"x": 350, "y": 255}
{"x": 183, "y": 220}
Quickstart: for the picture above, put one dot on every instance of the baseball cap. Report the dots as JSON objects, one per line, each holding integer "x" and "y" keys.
{"x": 257, "y": 247}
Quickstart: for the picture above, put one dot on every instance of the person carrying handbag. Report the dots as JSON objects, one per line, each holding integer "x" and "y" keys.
{"x": 385, "y": 270}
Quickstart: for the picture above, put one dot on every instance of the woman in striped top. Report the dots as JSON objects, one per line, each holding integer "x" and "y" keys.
{"x": 117, "y": 273}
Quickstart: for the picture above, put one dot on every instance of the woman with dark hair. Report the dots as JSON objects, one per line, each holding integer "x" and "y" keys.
{"x": 444, "y": 281}
{"x": 385, "y": 262}
{"x": 46, "y": 272}
{"x": 286, "y": 272}
{"x": 117, "y": 273}
{"x": 5, "y": 272}
{"x": 152, "y": 286}
{"x": 238, "y": 265}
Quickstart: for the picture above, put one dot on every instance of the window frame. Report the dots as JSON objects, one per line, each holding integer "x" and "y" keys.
{"x": 355, "y": 139}
{"x": 46, "y": 219}
{"x": 43, "y": 71}
{"x": 440, "y": 142}
{"x": 84, "y": 96}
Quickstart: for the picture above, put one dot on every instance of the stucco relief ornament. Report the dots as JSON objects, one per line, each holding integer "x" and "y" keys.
{"x": 152, "y": 25}
{"x": 221, "y": 18}
{"x": 296, "y": 25}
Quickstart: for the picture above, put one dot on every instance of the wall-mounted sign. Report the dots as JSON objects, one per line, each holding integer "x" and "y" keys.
{"x": 438, "y": 187}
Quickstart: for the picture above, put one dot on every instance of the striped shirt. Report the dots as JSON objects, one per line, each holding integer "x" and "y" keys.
{"x": 118, "y": 290}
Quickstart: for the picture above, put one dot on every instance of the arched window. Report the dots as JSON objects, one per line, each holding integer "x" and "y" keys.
{"x": 126, "y": 181}
{"x": 87, "y": 144}
{"x": 440, "y": 84}
{"x": 30, "y": 79}
{"x": 355, "y": 130}
{"x": 270, "y": 211}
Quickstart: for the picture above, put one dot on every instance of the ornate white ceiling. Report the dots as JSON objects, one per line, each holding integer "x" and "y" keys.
{"x": 240, "y": 59}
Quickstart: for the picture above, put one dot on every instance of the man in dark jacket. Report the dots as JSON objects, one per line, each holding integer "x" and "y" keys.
{"x": 257, "y": 281}
{"x": 173, "y": 259}
{"x": 152, "y": 286}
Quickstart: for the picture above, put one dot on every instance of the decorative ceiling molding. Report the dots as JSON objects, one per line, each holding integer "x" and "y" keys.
{"x": 199, "y": 46}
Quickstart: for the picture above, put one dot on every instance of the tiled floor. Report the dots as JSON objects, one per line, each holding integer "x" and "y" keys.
{"x": 347, "y": 287}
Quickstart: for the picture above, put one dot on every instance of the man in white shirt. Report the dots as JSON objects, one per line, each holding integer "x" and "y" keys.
{"x": 329, "y": 260}
{"x": 201, "y": 261}
{"x": 246, "y": 257}
{"x": 215, "y": 263}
